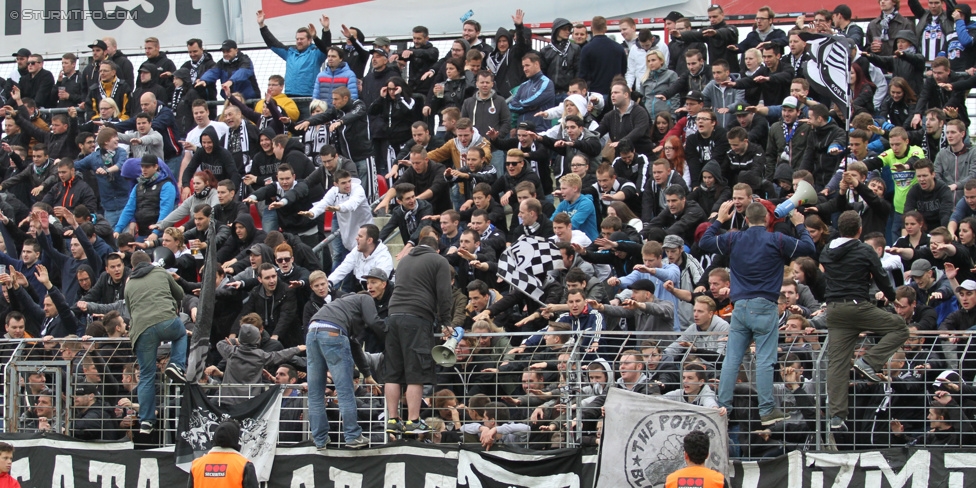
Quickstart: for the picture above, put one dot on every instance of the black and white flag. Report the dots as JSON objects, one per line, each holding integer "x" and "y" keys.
{"x": 258, "y": 418}
{"x": 526, "y": 262}
{"x": 830, "y": 69}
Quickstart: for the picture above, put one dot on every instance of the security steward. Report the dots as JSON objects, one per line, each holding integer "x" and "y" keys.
{"x": 224, "y": 466}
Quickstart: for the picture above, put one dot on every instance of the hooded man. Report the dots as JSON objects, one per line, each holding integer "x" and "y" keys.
{"x": 560, "y": 58}
{"x": 211, "y": 156}
{"x": 906, "y": 62}
{"x": 148, "y": 82}
{"x": 179, "y": 99}
{"x": 960, "y": 50}
{"x": 503, "y": 62}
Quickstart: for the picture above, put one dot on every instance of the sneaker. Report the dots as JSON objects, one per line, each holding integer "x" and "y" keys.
{"x": 176, "y": 373}
{"x": 145, "y": 427}
{"x": 394, "y": 426}
{"x": 867, "y": 370}
{"x": 776, "y": 415}
{"x": 415, "y": 427}
{"x": 837, "y": 423}
{"x": 358, "y": 443}
{"x": 322, "y": 450}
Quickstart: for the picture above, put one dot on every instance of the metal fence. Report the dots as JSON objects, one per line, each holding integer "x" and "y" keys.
{"x": 547, "y": 398}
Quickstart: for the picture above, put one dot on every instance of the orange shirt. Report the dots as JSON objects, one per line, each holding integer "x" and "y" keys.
{"x": 695, "y": 477}
{"x": 219, "y": 469}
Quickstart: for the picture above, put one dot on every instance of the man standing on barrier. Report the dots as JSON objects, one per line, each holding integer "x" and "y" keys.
{"x": 850, "y": 266}
{"x": 153, "y": 297}
{"x": 422, "y": 297}
{"x": 756, "y": 259}
{"x": 334, "y": 342}
{"x": 223, "y": 466}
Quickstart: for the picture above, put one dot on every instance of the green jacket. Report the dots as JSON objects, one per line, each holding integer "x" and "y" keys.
{"x": 152, "y": 296}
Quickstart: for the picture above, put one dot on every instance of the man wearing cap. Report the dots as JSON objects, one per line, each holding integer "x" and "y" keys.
{"x": 334, "y": 342}
{"x": 303, "y": 59}
{"x": 691, "y": 274}
{"x": 90, "y": 421}
{"x": 235, "y": 70}
{"x": 90, "y": 74}
{"x": 851, "y": 311}
{"x": 841, "y": 17}
{"x": 787, "y": 138}
{"x": 152, "y": 198}
{"x": 22, "y": 56}
{"x": 931, "y": 286}
{"x": 757, "y": 127}
{"x": 223, "y": 466}
{"x": 965, "y": 317}
{"x": 641, "y": 312}
{"x": 743, "y": 155}
{"x": 756, "y": 259}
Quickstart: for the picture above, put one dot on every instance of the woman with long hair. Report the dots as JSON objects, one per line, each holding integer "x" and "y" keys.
{"x": 626, "y": 215}
{"x": 674, "y": 152}
{"x": 819, "y": 232}
{"x": 898, "y": 107}
{"x": 967, "y": 234}
{"x": 864, "y": 91}
{"x": 915, "y": 234}
{"x": 663, "y": 122}
{"x": 751, "y": 67}
{"x": 807, "y": 272}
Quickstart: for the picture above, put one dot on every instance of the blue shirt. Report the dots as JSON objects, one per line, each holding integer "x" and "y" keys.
{"x": 582, "y": 213}
{"x": 667, "y": 272}
{"x": 756, "y": 257}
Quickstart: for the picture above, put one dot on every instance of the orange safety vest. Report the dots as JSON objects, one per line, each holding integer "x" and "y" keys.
{"x": 220, "y": 469}
{"x": 695, "y": 477}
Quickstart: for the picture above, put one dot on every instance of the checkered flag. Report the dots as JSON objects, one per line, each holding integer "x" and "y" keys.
{"x": 526, "y": 262}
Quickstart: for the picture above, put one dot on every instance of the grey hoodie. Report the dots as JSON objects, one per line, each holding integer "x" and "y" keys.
{"x": 952, "y": 168}
{"x": 245, "y": 361}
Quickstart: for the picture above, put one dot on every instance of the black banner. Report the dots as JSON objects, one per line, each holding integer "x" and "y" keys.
{"x": 58, "y": 461}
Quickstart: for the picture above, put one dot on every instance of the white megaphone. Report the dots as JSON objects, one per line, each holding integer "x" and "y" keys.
{"x": 444, "y": 354}
{"x": 804, "y": 194}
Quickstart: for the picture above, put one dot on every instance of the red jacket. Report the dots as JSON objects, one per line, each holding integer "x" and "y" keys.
{"x": 7, "y": 481}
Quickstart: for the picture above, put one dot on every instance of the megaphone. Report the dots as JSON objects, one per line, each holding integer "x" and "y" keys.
{"x": 444, "y": 354}
{"x": 804, "y": 194}
{"x": 162, "y": 257}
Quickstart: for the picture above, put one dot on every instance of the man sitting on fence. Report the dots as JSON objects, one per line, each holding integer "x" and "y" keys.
{"x": 246, "y": 361}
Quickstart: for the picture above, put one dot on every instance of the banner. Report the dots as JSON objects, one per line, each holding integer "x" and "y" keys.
{"x": 643, "y": 441}
{"x": 258, "y": 418}
{"x": 56, "y": 26}
{"x": 44, "y": 461}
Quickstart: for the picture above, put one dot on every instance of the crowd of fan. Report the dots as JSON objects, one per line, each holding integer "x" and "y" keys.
{"x": 620, "y": 153}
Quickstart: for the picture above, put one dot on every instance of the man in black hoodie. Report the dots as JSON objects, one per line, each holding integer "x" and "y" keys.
{"x": 165, "y": 67}
{"x": 504, "y": 61}
{"x": 852, "y": 265}
{"x": 825, "y": 146}
{"x": 930, "y": 197}
{"x": 113, "y": 54}
{"x": 213, "y": 157}
{"x": 148, "y": 82}
{"x": 560, "y": 58}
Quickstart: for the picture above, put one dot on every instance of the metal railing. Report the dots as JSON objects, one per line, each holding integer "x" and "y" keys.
{"x": 551, "y": 395}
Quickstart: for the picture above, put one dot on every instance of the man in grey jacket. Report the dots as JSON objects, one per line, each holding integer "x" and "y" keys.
{"x": 334, "y": 339}
{"x": 641, "y": 311}
{"x": 954, "y": 167}
{"x": 722, "y": 99}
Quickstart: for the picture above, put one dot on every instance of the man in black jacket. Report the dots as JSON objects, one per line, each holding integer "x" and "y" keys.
{"x": 532, "y": 221}
{"x": 825, "y": 146}
{"x": 409, "y": 217}
{"x": 277, "y": 306}
{"x": 851, "y": 310}
{"x": 427, "y": 177}
{"x": 710, "y": 142}
{"x": 110, "y": 286}
{"x": 681, "y": 217}
{"x": 288, "y": 198}
{"x": 39, "y": 83}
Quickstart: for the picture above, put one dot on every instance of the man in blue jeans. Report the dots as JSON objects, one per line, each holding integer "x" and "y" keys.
{"x": 756, "y": 260}
{"x": 334, "y": 344}
{"x": 152, "y": 296}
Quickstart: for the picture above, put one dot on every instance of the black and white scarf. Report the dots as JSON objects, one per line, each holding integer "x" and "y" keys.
{"x": 177, "y": 97}
{"x": 195, "y": 69}
{"x": 886, "y": 22}
{"x": 115, "y": 86}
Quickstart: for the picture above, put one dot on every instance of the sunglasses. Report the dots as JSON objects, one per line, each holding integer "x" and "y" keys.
{"x": 32, "y": 63}
{"x": 283, "y": 260}
{"x": 512, "y": 163}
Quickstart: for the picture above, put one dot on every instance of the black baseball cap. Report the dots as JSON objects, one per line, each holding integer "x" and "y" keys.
{"x": 22, "y": 53}
{"x": 695, "y": 95}
{"x": 228, "y": 45}
{"x": 99, "y": 44}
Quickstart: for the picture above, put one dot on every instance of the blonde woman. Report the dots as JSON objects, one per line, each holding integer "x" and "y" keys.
{"x": 657, "y": 79}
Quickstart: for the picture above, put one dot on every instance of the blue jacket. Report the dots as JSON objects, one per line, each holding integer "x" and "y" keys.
{"x": 583, "y": 214}
{"x": 300, "y": 66}
{"x": 113, "y": 189}
{"x": 667, "y": 272}
{"x": 756, "y": 257}
{"x": 961, "y": 211}
{"x": 329, "y": 79}
{"x": 167, "y": 201}
{"x": 535, "y": 95}
{"x": 240, "y": 70}
{"x": 54, "y": 259}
